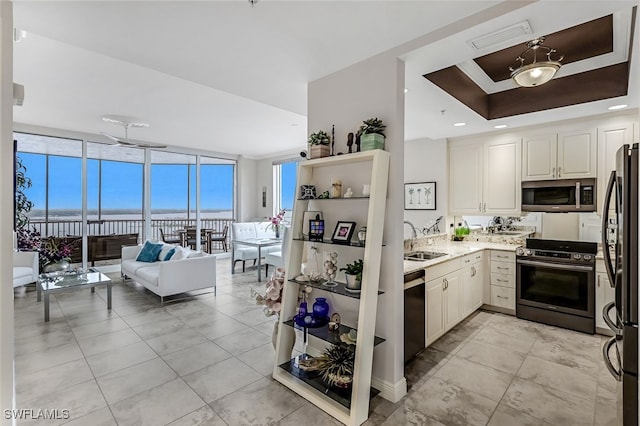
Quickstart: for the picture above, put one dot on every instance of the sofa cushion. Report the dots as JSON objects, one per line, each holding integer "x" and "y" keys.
{"x": 149, "y": 252}
{"x": 149, "y": 274}
{"x": 245, "y": 253}
{"x": 131, "y": 266}
{"x": 195, "y": 254}
{"x": 22, "y": 271}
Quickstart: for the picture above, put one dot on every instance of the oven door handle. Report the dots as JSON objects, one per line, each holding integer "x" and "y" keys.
{"x": 607, "y": 318}
{"x": 556, "y": 265}
{"x": 607, "y": 361}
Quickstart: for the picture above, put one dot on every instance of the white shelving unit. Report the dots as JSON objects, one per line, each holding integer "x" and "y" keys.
{"x": 350, "y": 406}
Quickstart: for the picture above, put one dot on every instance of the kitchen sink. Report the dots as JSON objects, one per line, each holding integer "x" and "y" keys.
{"x": 423, "y": 255}
{"x": 507, "y": 233}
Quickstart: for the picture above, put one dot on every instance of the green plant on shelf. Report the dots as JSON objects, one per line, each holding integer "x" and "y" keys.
{"x": 372, "y": 125}
{"x": 354, "y": 268}
{"x": 319, "y": 138}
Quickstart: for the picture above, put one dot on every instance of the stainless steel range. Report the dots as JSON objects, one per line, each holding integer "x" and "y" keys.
{"x": 555, "y": 283}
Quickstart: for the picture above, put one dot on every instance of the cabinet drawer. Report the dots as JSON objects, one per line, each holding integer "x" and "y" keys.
{"x": 503, "y": 256}
{"x": 503, "y": 268}
{"x": 472, "y": 258}
{"x": 441, "y": 269}
{"x": 504, "y": 297}
{"x": 503, "y": 280}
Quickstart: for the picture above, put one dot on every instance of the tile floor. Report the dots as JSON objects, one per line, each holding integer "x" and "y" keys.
{"x": 207, "y": 360}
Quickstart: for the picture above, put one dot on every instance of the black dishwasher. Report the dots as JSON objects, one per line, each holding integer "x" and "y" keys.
{"x": 414, "y": 315}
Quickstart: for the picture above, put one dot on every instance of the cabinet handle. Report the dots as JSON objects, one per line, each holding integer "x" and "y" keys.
{"x": 473, "y": 271}
{"x": 484, "y": 207}
{"x": 502, "y": 257}
{"x": 502, "y": 297}
{"x": 559, "y": 171}
{"x": 553, "y": 172}
{"x": 479, "y": 207}
{"x": 467, "y": 261}
{"x": 501, "y": 281}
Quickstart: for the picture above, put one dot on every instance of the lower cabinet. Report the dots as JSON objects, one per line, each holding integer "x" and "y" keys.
{"x": 443, "y": 309}
{"x": 472, "y": 283}
{"x": 502, "y": 280}
{"x": 604, "y": 294}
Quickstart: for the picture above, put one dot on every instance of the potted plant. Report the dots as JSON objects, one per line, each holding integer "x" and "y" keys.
{"x": 319, "y": 144}
{"x": 353, "y": 275}
{"x": 372, "y": 134}
{"x": 336, "y": 365}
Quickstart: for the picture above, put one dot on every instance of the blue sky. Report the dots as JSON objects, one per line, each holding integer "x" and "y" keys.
{"x": 122, "y": 184}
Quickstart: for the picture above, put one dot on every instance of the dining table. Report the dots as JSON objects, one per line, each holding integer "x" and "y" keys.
{"x": 259, "y": 243}
{"x": 206, "y": 235}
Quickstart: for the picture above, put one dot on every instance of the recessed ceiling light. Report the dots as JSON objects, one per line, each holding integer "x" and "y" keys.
{"x": 459, "y": 124}
{"x": 615, "y": 107}
{"x": 406, "y": 90}
{"x": 500, "y": 126}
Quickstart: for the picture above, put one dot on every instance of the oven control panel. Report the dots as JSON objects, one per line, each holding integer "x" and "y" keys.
{"x": 559, "y": 255}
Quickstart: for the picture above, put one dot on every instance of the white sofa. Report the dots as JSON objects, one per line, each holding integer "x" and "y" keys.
{"x": 247, "y": 231}
{"x": 166, "y": 278}
{"x": 25, "y": 267}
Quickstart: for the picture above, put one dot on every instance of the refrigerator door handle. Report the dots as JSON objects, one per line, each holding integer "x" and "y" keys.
{"x": 605, "y": 228}
{"x": 607, "y": 318}
{"x": 617, "y": 374}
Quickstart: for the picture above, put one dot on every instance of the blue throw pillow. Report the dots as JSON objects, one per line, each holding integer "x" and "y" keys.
{"x": 169, "y": 254}
{"x": 149, "y": 252}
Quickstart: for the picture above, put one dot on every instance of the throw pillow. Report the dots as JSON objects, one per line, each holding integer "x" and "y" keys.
{"x": 169, "y": 254}
{"x": 166, "y": 248}
{"x": 149, "y": 252}
{"x": 181, "y": 253}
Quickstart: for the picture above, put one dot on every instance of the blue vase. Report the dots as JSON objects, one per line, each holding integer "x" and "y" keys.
{"x": 303, "y": 309}
{"x": 320, "y": 308}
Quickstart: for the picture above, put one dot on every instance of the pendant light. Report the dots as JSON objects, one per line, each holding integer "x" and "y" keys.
{"x": 535, "y": 73}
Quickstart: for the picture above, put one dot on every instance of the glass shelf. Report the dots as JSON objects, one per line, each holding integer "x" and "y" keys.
{"x": 350, "y": 244}
{"x": 360, "y": 197}
{"x": 329, "y": 336}
{"x": 340, "y": 288}
{"x": 313, "y": 379}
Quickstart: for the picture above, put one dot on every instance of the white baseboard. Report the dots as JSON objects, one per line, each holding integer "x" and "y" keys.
{"x": 392, "y": 392}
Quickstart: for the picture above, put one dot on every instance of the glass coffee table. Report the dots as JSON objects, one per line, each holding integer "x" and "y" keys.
{"x": 56, "y": 282}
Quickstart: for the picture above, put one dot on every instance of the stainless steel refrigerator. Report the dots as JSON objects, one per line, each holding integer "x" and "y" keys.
{"x": 621, "y": 261}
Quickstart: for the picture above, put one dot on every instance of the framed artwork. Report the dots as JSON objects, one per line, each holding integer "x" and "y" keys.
{"x": 420, "y": 196}
{"x": 343, "y": 232}
{"x": 307, "y": 192}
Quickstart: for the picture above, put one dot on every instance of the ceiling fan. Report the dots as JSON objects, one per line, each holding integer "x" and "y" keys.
{"x": 128, "y": 122}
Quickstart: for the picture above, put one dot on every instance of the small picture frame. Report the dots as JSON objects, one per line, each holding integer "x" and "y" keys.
{"x": 343, "y": 232}
{"x": 420, "y": 196}
{"x": 307, "y": 192}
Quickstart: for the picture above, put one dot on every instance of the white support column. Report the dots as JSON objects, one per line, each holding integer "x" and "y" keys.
{"x": 198, "y": 224}
{"x": 85, "y": 226}
{"x": 147, "y": 194}
{"x": 7, "y": 387}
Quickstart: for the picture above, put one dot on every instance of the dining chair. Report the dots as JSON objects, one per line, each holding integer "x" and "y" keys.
{"x": 169, "y": 239}
{"x": 219, "y": 237}
{"x": 191, "y": 239}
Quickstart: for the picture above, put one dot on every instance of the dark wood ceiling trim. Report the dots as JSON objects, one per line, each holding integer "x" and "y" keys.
{"x": 634, "y": 10}
{"x": 580, "y": 42}
{"x": 458, "y": 84}
{"x": 602, "y": 83}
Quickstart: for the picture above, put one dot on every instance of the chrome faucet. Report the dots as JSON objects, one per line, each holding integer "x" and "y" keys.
{"x": 414, "y": 234}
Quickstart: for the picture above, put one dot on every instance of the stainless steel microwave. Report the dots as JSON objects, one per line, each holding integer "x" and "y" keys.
{"x": 563, "y": 195}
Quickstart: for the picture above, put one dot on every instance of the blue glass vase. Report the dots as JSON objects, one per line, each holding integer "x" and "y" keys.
{"x": 320, "y": 308}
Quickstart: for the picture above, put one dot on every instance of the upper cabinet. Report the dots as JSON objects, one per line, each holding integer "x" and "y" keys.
{"x": 565, "y": 155}
{"x": 484, "y": 177}
{"x": 610, "y": 139}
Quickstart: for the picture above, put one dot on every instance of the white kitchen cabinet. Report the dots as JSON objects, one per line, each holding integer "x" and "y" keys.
{"x": 502, "y": 288}
{"x": 610, "y": 139}
{"x": 443, "y": 305}
{"x": 484, "y": 177}
{"x": 472, "y": 282}
{"x": 636, "y": 132}
{"x": 564, "y": 155}
{"x": 465, "y": 178}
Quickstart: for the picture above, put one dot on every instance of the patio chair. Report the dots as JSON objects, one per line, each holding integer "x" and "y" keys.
{"x": 191, "y": 239}
{"x": 219, "y": 237}
{"x": 169, "y": 239}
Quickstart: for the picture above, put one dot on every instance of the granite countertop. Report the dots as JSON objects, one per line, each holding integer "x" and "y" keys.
{"x": 455, "y": 249}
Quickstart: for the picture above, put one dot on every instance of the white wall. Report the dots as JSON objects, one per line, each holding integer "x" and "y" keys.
{"x": 374, "y": 88}
{"x": 248, "y": 195}
{"x": 6, "y": 209}
{"x": 425, "y": 160}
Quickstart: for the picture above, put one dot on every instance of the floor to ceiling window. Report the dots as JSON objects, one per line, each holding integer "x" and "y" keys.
{"x": 285, "y": 191}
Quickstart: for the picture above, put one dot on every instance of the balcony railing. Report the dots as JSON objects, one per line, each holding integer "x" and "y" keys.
{"x": 63, "y": 228}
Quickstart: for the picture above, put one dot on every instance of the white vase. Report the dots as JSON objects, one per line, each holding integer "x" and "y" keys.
{"x": 366, "y": 190}
{"x": 352, "y": 283}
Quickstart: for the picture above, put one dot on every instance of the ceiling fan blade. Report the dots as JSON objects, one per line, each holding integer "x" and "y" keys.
{"x": 150, "y": 145}
{"x": 113, "y": 138}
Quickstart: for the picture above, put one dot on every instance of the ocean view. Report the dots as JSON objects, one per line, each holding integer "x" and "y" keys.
{"x": 127, "y": 214}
